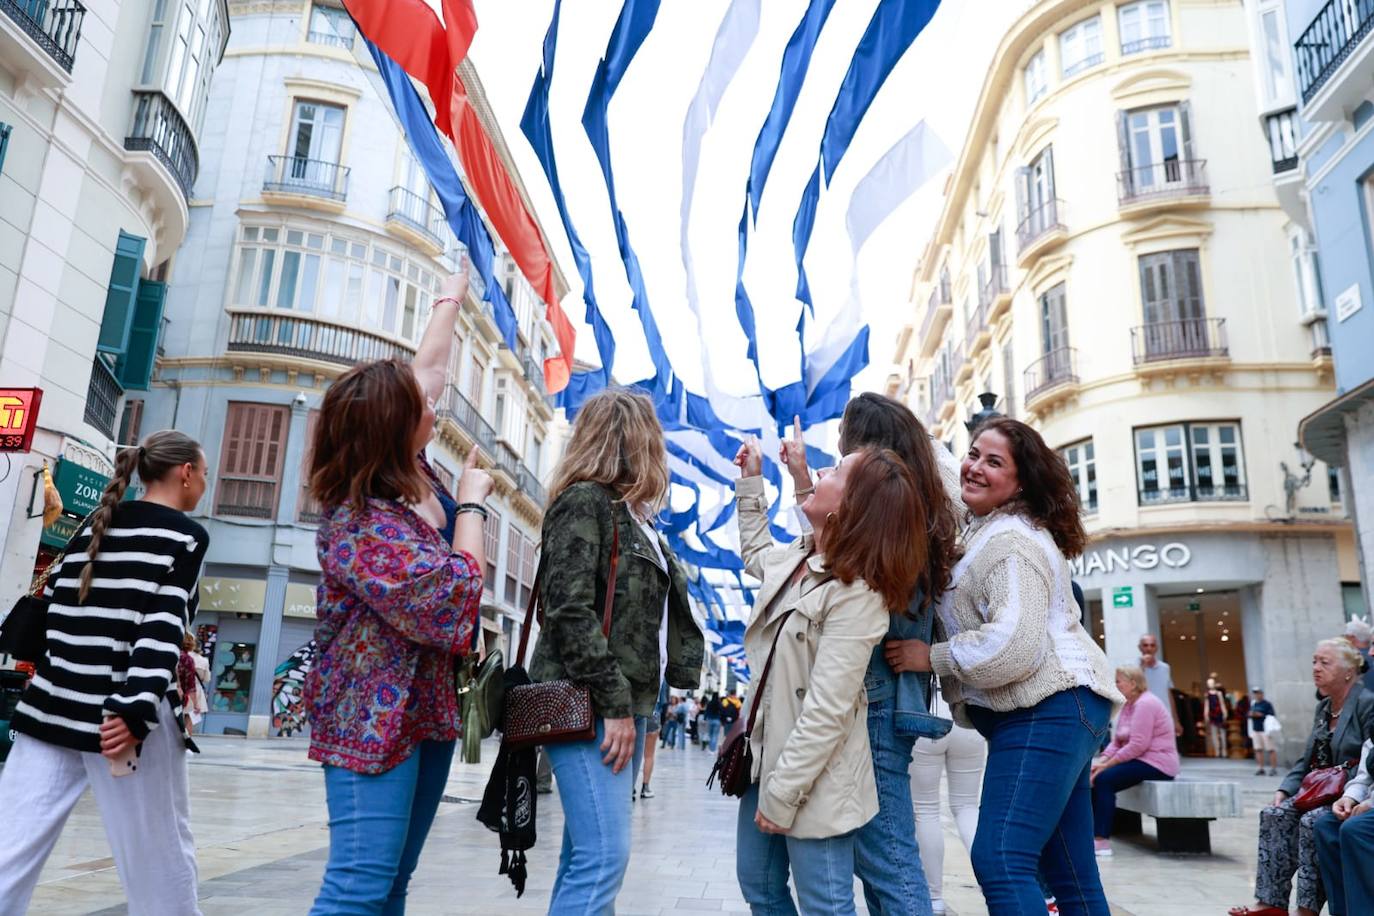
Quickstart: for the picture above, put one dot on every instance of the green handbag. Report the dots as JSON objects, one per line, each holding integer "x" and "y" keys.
{"x": 482, "y": 692}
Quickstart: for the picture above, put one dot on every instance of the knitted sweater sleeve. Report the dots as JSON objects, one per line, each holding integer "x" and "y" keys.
{"x": 1012, "y": 590}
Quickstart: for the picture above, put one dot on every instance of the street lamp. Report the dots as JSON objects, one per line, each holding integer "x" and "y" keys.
{"x": 989, "y": 401}
{"x": 1292, "y": 483}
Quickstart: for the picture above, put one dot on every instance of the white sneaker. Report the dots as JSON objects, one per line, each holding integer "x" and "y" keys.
{"x": 1102, "y": 848}
{"x": 937, "y": 906}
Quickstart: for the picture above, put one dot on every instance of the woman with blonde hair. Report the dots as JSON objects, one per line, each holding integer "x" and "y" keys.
{"x": 1142, "y": 749}
{"x": 606, "y": 490}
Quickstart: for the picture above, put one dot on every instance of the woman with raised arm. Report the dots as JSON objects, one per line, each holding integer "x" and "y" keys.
{"x": 105, "y": 694}
{"x": 886, "y": 855}
{"x": 1018, "y": 666}
{"x": 401, "y": 581}
{"x": 825, "y": 603}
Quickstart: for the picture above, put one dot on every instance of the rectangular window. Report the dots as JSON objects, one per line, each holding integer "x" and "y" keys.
{"x": 1054, "y": 320}
{"x": 1037, "y": 83}
{"x": 445, "y": 476}
{"x": 491, "y": 531}
{"x": 1083, "y": 469}
{"x": 1081, "y": 46}
{"x": 1144, "y": 26}
{"x": 331, "y": 26}
{"x": 131, "y": 424}
{"x": 254, "y": 448}
{"x": 308, "y": 508}
{"x": 529, "y": 564}
{"x": 514, "y": 557}
{"x": 1275, "y": 55}
{"x": 1333, "y": 483}
{"x": 1175, "y": 314}
{"x": 1190, "y": 462}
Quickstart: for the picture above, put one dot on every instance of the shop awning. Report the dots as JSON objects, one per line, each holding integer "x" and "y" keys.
{"x": 1323, "y": 432}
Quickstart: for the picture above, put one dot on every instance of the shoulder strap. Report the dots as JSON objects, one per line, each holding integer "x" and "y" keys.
{"x": 763, "y": 678}
{"x": 606, "y": 608}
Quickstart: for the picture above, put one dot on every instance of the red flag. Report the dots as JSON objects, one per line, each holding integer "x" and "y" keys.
{"x": 409, "y": 33}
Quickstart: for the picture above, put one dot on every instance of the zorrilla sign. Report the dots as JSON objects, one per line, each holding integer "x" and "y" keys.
{"x": 18, "y": 417}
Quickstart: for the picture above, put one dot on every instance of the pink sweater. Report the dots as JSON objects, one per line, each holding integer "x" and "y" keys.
{"x": 1145, "y": 732}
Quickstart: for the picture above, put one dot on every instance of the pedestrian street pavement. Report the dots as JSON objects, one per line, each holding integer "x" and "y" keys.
{"x": 258, "y": 813}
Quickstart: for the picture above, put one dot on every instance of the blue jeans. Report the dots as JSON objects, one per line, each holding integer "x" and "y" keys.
{"x": 1113, "y": 780}
{"x": 712, "y": 733}
{"x": 1037, "y": 783}
{"x": 641, "y": 737}
{"x": 886, "y": 857}
{"x": 377, "y": 827}
{"x": 669, "y": 732}
{"x": 823, "y": 870}
{"x": 1345, "y": 850}
{"x": 596, "y": 828}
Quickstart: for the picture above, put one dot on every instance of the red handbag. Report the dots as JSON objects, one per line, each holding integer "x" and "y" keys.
{"x": 1322, "y": 787}
{"x": 554, "y": 712}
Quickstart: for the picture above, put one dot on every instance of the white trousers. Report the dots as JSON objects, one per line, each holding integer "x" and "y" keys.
{"x": 146, "y": 815}
{"x": 961, "y": 754}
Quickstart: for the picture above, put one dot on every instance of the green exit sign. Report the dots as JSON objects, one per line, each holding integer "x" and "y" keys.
{"x": 1122, "y": 597}
{"x": 1194, "y": 605}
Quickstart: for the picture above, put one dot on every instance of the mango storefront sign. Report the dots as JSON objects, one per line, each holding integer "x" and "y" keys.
{"x": 1173, "y": 555}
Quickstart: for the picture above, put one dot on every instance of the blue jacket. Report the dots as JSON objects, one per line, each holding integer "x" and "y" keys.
{"x": 910, "y": 689}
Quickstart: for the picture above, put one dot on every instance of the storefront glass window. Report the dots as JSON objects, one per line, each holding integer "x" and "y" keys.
{"x": 233, "y": 676}
{"x": 1083, "y": 468}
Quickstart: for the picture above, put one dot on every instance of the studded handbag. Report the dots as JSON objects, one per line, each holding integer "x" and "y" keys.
{"x": 554, "y": 712}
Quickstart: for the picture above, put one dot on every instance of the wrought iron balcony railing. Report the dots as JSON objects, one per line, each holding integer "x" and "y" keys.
{"x": 1175, "y": 178}
{"x": 1153, "y": 43}
{"x": 531, "y": 487}
{"x": 977, "y": 323}
{"x": 413, "y": 210}
{"x": 1084, "y": 64}
{"x": 55, "y": 25}
{"x": 1329, "y": 40}
{"x": 102, "y": 397}
{"x": 316, "y": 177}
{"x": 330, "y": 39}
{"x": 307, "y": 337}
{"x": 457, "y": 407}
{"x": 161, "y": 130}
{"x": 1187, "y": 338}
{"x": 1194, "y": 493}
{"x": 994, "y": 286}
{"x": 1038, "y": 222}
{"x": 1057, "y": 367}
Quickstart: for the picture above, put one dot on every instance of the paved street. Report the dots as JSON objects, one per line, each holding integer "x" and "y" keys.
{"x": 259, "y": 819}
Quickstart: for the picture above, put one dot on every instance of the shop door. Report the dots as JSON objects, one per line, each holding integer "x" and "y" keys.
{"x": 1201, "y": 637}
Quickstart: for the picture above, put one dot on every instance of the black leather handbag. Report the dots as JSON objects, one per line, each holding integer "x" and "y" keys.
{"x": 24, "y": 631}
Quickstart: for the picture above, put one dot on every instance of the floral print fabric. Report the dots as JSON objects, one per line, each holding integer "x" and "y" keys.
{"x": 395, "y": 606}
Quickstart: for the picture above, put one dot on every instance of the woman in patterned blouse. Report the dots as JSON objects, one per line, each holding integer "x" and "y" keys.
{"x": 398, "y": 601}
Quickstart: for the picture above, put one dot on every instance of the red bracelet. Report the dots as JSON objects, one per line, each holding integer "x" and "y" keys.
{"x": 447, "y": 299}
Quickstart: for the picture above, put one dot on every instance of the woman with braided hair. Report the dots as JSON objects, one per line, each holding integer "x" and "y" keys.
{"x": 103, "y": 708}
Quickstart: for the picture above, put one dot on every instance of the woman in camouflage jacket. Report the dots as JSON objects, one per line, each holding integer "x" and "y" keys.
{"x": 613, "y": 478}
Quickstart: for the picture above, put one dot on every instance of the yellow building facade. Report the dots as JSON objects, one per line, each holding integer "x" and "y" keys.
{"x": 1111, "y": 265}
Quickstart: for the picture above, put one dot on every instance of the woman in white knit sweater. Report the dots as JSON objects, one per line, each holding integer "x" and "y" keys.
{"x": 1018, "y": 666}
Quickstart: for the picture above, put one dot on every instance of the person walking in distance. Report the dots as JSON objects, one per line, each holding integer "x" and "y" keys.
{"x": 647, "y": 749}
{"x": 103, "y": 708}
{"x": 825, "y": 603}
{"x": 606, "y": 491}
{"x": 670, "y": 722}
{"x": 1159, "y": 677}
{"x": 1018, "y": 665}
{"x": 711, "y": 716}
{"x": 682, "y": 714}
{"x": 1262, "y": 732}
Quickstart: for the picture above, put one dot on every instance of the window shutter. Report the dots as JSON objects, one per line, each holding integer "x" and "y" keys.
{"x": 119, "y": 298}
{"x": 308, "y": 508}
{"x": 1023, "y": 179}
{"x": 1185, "y": 126}
{"x": 134, "y": 368}
{"x": 1048, "y": 156}
{"x": 491, "y": 532}
{"x": 250, "y": 468}
{"x": 1123, "y": 142}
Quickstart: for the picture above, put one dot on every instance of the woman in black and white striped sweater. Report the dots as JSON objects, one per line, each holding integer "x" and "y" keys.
{"x": 119, "y": 603}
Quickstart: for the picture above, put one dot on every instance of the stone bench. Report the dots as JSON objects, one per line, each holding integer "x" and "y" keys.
{"x": 1182, "y": 810}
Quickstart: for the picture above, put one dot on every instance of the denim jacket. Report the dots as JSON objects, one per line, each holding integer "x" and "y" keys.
{"x": 911, "y": 689}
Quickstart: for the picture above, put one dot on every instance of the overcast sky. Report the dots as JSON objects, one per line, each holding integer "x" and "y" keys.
{"x": 938, "y": 80}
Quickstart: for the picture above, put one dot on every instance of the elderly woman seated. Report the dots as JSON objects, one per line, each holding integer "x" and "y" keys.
{"x": 1287, "y": 845}
{"x": 1142, "y": 748}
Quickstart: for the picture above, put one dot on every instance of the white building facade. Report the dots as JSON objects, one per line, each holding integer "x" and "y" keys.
{"x": 1116, "y": 269}
{"x": 101, "y": 113}
{"x": 318, "y": 243}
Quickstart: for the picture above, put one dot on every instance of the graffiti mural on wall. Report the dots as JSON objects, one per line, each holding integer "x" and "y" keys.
{"x": 288, "y": 682}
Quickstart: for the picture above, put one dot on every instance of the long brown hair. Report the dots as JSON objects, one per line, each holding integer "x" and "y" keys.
{"x": 1048, "y": 494}
{"x": 364, "y": 438}
{"x": 616, "y": 441}
{"x": 871, "y": 536}
{"x": 873, "y": 421}
{"x": 159, "y": 454}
